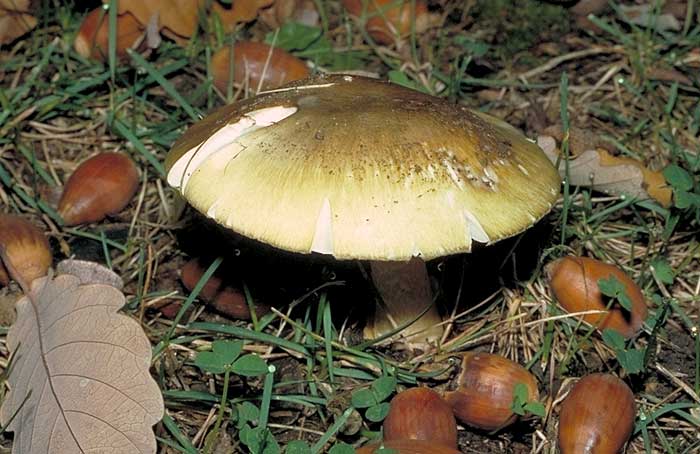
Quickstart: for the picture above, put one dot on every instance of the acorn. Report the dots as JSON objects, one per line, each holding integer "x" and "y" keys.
{"x": 223, "y": 298}
{"x": 24, "y": 251}
{"x": 406, "y": 447}
{"x": 4, "y": 277}
{"x": 574, "y": 283}
{"x": 389, "y": 20}
{"x": 420, "y": 414}
{"x": 485, "y": 390}
{"x": 100, "y": 186}
{"x": 597, "y": 417}
{"x": 255, "y": 62}
{"x": 93, "y": 36}
{"x": 192, "y": 272}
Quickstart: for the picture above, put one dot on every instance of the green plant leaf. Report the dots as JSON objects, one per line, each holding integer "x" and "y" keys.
{"x": 400, "y": 78}
{"x": 536, "y": 408}
{"x": 613, "y": 288}
{"x": 663, "y": 270}
{"x": 298, "y": 447}
{"x": 378, "y": 412}
{"x": 383, "y": 387}
{"x": 685, "y": 200}
{"x": 246, "y": 412}
{"x": 210, "y": 362}
{"x": 250, "y": 366}
{"x": 259, "y": 440}
{"x": 473, "y": 48}
{"x": 678, "y": 177}
{"x": 271, "y": 445}
{"x": 220, "y": 358}
{"x": 631, "y": 360}
{"x": 341, "y": 448}
{"x": 519, "y": 399}
{"x": 251, "y": 438}
{"x": 294, "y": 36}
{"x": 613, "y": 339}
{"x": 228, "y": 350}
{"x": 363, "y": 398}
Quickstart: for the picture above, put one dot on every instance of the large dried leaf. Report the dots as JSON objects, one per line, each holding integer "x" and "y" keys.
{"x": 79, "y": 381}
{"x": 15, "y": 19}
{"x": 610, "y": 174}
{"x": 179, "y": 18}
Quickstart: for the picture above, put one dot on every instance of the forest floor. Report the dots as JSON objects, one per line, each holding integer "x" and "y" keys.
{"x": 623, "y": 81}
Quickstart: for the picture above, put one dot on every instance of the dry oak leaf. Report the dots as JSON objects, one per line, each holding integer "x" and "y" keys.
{"x": 179, "y": 18}
{"x": 15, "y": 19}
{"x": 601, "y": 171}
{"x": 80, "y": 381}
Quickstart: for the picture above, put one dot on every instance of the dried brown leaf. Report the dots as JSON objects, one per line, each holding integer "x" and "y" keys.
{"x": 580, "y": 139}
{"x": 80, "y": 379}
{"x": 178, "y": 19}
{"x": 601, "y": 171}
{"x": 645, "y": 15}
{"x": 15, "y": 19}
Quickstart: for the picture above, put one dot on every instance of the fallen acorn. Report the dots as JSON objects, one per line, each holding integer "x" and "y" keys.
{"x": 223, "y": 298}
{"x": 597, "y": 417}
{"x": 24, "y": 251}
{"x": 390, "y": 20}
{"x": 574, "y": 283}
{"x": 92, "y": 40}
{"x": 100, "y": 186}
{"x": 284, "y": 11}
{"x": 485, "y": 390}
{"x": 258, "y": 64}
{"x": 420, "y": 414}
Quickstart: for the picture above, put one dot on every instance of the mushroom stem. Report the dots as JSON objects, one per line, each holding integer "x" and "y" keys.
{"x": 405, "y": 291}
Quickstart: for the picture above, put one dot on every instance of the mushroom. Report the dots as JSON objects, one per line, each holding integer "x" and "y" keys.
{"x": 364, "y": 169}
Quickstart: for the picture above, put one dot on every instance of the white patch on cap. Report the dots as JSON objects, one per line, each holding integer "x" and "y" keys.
{"x": 211, "y": 212}
{"x": 189, "y": 162}
{"x": 523, "y": 170}
{"x": 454, "y": 176}
{"x": 476, "y": 231}
{"x": 323, "y": 235}
{"x": 303, "y": 87}
{"x": 491, "y": 174}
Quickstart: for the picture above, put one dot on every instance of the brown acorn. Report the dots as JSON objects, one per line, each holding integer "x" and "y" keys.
{"x": 253, "y": 62}
{"x": 389, "y": 20}
{"x": 406, "y": 447}
{"x": 4, "y": 277}
{"x": 421, "y": 414}
{"x": 101, "y": 185}
{"x": 223, "y": 298}
{"x": 485, "y": 390}
{"x": 597, "y": 417}
{"x": 192, "y": 272}
{"x": 574, "y": 283}
{"x": 24, "y": 250}
{"x": 93, "y": 36}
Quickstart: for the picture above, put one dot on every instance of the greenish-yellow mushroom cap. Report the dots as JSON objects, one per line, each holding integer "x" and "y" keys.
{"x": 362, "y": 169}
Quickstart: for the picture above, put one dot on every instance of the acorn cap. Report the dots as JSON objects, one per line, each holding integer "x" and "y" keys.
{"x": 362, "y": 169}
